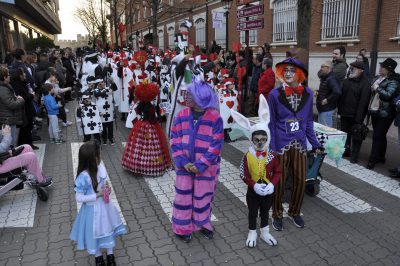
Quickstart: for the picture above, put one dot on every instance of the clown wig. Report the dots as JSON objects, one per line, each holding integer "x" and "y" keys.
{"x": 280, "y": 73}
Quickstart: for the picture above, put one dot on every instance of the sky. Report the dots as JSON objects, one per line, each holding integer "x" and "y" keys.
{"x": 69, "y": 24}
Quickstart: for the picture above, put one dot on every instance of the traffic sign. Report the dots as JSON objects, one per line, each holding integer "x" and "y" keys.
{"x": 250, "y": 25}
{"x": 250, "y": 11}
{"x": 244, "y": 2}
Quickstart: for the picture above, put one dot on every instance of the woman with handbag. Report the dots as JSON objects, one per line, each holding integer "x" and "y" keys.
{"x": 381, "y": 109}
{"x": 352, "y": 108}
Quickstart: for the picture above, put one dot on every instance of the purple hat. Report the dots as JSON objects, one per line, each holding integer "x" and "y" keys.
{"x": 294, "y": 62}
{"x": 203, "y": 95}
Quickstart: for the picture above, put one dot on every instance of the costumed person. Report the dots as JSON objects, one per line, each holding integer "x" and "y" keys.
{"x": 90, "y": 117}
{"x": 90, "y": 67}
{"x": 98, "y": 222}
{"x": 261, "y": 171}
{"x": 291, "y": 111}
{"x": 197, "y": 136}
{"x": 105, "y": 105}
{"x": 146, "y": 151}
{"x": 165, "y": 80}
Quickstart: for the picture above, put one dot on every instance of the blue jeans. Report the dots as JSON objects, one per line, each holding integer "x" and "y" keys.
{"x": 326, "y": 118}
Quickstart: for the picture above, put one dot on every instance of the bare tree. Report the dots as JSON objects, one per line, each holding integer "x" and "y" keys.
{"x": 92, "y": 14}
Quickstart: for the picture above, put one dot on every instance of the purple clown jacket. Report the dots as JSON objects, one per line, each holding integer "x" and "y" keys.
{"x": 198, "y": 143}
{"x": 286, "y": 125}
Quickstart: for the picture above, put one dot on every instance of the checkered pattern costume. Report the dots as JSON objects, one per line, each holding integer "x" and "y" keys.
{"x": 146, "y": 151}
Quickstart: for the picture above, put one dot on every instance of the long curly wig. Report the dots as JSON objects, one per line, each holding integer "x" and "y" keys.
{"x": 146, "y": 92}
{"x": 280, "y": 73}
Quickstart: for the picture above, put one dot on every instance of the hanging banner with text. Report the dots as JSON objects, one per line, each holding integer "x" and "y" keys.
{"x": 250, "y": 25}
{"x": 250, "y": 11}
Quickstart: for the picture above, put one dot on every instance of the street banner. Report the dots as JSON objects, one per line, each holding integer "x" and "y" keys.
{"x": 244, "y": 2}
{"x": 250, "y": 25}
{"x": 250, "y": 11}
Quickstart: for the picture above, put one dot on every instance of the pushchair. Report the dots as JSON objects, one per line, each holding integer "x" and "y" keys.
{"x": 15, "y": 180}
{"x": 314, "y": 177}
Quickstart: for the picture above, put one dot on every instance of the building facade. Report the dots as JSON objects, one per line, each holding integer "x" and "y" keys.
{"x": 22, "y": 20}
{"x": 350, "y": 23}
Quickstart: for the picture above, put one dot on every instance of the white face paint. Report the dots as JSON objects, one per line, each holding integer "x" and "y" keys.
{"x": 259, "y": 142}
{"x": 290, "y": 74}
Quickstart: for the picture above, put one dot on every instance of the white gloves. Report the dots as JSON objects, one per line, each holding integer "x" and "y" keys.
{"x": 269, "y": 189}
{"x": 260, "y": 189}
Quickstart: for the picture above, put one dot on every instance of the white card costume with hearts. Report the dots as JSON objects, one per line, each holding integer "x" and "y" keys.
{"x": 90, "y": 119}
{"x": 228, "y": 101}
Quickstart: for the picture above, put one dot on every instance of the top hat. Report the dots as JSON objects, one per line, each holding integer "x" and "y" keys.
{"x": 389, "y": 64}
{"x": 294, "y": 62}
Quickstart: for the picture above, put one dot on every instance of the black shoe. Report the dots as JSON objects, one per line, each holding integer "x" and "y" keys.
{"x": 185, "y": 238}
{"x": 393, "y": 170}
{"x": 354, "y": 157}
{"x": 34, "y": 147}
{"x": 100, "y": 261}
{"x": 353, "y": 160}
{"x": 111, "y": 260}
{"x": 370, "y": 165}
{"x": 382, "y": 161}
{"x": 207, "y": 233}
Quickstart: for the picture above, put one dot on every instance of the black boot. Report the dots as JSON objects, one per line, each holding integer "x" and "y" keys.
{"x": 111, "y": 260}
{"x": 354, "y": 157}
{"x": 100, "y": 261}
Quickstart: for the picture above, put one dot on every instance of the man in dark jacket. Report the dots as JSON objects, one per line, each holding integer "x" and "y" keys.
{"x": 339, "y": 63}
{"x": 352, "y": 107}
{"x": 328, "y": 94}
{"x": 257, "y": 70}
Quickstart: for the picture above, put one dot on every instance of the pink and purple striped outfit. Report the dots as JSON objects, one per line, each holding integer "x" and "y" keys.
{"x": 199, "y": 143}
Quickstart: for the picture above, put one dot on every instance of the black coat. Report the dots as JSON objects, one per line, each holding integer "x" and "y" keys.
{"x": 354, "y": 101}
{"x": 329, "y": 89}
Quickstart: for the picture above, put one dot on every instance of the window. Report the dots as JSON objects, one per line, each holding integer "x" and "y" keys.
{"x": 171, "y": 2}
{"x": 340, "y": 19}
{"x": 398, "y": 27}
{"x": 171, "y": 37}
{"x": 252, "y": 34}
{"x": 220, "y": 34}
{"x": 200, "y": 32}
{"x": 285, "y": 21}
{"x": 161, "y": 39}
{"x": 11, "y": 34}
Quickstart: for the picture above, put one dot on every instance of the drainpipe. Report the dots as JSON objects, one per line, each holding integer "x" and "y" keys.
{"x": 374, "y": 51}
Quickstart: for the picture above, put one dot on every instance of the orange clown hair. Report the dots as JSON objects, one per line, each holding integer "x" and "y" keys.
{"x": 300, "y": 76}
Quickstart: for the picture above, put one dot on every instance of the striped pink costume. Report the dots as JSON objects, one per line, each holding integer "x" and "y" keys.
{"x": 199, "y": 143}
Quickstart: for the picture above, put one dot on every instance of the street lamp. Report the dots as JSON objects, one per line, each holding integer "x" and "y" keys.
{"x": 227, "y": 5}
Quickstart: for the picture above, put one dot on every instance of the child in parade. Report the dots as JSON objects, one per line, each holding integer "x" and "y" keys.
{"x": 98, "y": 222}
{"x": 146, "y": 151}
{"x": 52, "y": 112}
{"x": 197, "y": 136}
{"x": 90, "y": 117}
{"x": 260, "y": 170}
{"x": 105, "y": 105}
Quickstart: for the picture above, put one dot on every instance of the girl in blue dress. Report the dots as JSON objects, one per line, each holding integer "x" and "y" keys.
{"x": 98, "y": 221}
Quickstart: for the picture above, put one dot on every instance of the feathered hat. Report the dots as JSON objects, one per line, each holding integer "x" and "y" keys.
{"x": 145, "y": 91}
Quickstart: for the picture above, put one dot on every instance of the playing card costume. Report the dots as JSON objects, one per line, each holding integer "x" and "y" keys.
{"x": 165, "y": 80}
{"x": 291, "y": 124}
{"x": 90, "y": 67}
{"x": 146, "y": 151}
{"x": 105, "y": 106}
{"x": 196, "y": 140}
{"x": 260, "y": 170}
{"x": 90, "y": 118}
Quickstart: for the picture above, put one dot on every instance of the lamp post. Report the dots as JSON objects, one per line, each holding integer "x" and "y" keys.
{"x": 227, "y": 5}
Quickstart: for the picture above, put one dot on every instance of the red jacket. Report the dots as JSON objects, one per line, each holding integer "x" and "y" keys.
{"x": 274, "y": 171}
{"x": 266, "y": 82}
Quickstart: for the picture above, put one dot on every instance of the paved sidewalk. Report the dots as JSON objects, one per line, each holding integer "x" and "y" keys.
{"x": 353, "y": 221}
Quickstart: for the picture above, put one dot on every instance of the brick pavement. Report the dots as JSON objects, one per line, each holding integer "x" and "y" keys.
{"x": 331, "y": 237}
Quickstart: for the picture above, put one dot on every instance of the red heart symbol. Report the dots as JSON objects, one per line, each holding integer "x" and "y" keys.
{"x": 230, "y": 120}
{"x": 230, "y": 104}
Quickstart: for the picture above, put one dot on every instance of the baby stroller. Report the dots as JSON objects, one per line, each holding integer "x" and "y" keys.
{"x": 15, "y": 179}
{"x": 313, "y": 177}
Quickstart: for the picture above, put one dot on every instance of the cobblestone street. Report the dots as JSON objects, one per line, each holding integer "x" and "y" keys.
{"x": 352, "y": 221}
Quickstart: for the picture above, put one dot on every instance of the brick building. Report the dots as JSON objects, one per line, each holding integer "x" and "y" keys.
{"x": 21, "y": 20}
{"x": 333, "y": 22}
